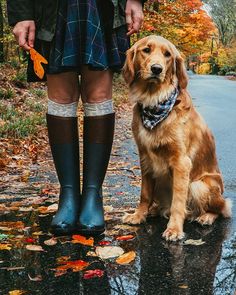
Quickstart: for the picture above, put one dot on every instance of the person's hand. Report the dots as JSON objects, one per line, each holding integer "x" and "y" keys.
{"x": 134, "y": 16}
{"x": 24, "y": 32}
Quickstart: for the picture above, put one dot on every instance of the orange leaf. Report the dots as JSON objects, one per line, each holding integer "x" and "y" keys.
{"x": 76, "y": 265}
{"x": 126, "y": 258}
{"x": 38, "y": 59}
{"x": 78, "y": 239}
{"x": 125, "y": 238}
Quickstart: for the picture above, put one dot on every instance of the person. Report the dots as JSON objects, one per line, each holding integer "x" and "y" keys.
{"x": 86, "y": 38}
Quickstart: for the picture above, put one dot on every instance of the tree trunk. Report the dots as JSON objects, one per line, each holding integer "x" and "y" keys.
{"x": 1, "y": 34}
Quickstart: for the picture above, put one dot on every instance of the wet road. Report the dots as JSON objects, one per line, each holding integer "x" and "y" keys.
{"x": 160, "y": 268}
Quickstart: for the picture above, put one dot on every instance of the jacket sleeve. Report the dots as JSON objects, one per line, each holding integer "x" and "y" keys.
{"x": 20, "y": 10}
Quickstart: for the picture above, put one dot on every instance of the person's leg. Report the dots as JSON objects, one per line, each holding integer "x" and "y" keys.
{"x": 99, "y": 119}
{"x": 63, "y": 93}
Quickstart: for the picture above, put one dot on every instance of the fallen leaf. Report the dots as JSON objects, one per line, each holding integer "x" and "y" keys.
{"x": 95, "y": 273}
{"x": 17, "y": 292}
{"x": 6, "y": 225}
{"x": 109, "y": 251}
{"x": 34, "y": 248}
{"x": 37, "y": 233}
{"x": 126, "y": 258}
{"x": 25, "y": 209}
{"x": 51, "y": 242}
{"x": 91, "y": 253}
{"x": 3, "y": 237}
{"x": 62, "y": 259}
{"x": 194, "y": 242}
{"x": 25, "y": 176}
{"x": 75, "y": 266}
{"x": 78, "y": 239}
{"x": 37, "y": 278}
{"x": 125, "y": 238}
{"x": 183, "y": 286}
{"x": 50, "y": 209}
{"x": 30, "y": 240}
{"x": 5, "y": 246}
{"x": 104, "y": 243}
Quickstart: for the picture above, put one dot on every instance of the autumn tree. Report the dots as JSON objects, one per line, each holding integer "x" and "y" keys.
{"x": 1, "y": 33}
{"x": 223, "y": 13}
{"x": 183, "y": 22}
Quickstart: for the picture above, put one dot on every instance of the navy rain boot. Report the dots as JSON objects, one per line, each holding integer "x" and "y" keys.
{"x": 64, "y": 142}
{"x": 98, "y": 138}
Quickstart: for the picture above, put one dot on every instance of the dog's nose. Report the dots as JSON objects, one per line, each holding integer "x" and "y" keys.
{"x": 156, "y": 69}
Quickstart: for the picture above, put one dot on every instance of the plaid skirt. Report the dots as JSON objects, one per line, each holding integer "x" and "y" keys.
{"x": 84, "y": 36}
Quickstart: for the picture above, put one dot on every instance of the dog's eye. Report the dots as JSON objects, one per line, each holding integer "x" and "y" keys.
{"x": 167, "y": 54}
{"x": 147, "y": 49}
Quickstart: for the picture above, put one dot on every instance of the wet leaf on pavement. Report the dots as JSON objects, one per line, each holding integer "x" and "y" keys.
{"x": 78, "y": 239}
{"x": 194, "y": 242}
{"x": 5, "y": 246}
{"x": 109, "y": 251}
{"x": 126, "y": 258}
{"x": 51, "y": 242}
{"x": 34, "y": 248}
{"x": 95, "y": 273}
{"x": 125, "y": 238}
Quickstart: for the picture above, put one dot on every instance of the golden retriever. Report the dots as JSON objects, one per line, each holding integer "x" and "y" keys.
{"x": 180, "y": 174}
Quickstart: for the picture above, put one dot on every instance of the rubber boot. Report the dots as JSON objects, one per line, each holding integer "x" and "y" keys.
{"x": 64, "y": 142}
{"x": 98, "y": 138}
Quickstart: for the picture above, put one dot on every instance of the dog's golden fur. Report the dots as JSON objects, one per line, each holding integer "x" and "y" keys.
{"x": 180, "y": 175}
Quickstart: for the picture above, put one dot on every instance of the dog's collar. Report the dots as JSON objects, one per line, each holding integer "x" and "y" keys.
{"x": 152, "y": 116}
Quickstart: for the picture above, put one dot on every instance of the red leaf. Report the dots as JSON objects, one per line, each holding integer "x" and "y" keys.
{"x": 30, "y": 240}
{"x": 95, "y": 273}
{"x": 104, "y": 243}
{"x": 125, "y": 238}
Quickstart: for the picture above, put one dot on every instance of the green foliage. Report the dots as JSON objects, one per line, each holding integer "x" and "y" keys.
{"x": 38, "y": 92}
{"x": 7, "y": 93}
{"x": 18, "y": 124}
{"x": 20, "y": 76}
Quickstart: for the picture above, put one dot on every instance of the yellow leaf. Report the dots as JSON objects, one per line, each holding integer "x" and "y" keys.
{"x": 17, "y": 292}
{"x": 5, "y": 246}
{"x": 126, "y": 258}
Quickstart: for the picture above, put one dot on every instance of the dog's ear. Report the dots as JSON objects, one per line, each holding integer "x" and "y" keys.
{"x": 181, "y": 72}
{"x": 128, "y": 69}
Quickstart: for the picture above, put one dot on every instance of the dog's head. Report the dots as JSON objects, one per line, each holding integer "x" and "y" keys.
{"x": 154, "y": 59}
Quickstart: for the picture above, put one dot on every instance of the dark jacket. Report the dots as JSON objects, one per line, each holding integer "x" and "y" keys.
{"x": 44, "y": 12}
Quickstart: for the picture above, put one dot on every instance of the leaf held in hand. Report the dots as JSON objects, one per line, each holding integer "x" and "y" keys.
{"x": 78, "y": 239}
{"x": 94, "y": 273}
{"x": 126, "y": 258}
{"x": 38, "y": 59}
{"x": 125, "y": 238}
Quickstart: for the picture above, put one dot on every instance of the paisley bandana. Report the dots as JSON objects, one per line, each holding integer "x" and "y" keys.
{"x": 152, "y": 116}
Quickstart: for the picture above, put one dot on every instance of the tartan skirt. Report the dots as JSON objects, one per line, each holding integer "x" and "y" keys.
{"x": 84, "y": 36}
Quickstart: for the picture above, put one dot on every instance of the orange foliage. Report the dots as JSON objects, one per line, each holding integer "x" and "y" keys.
{"x": 183, "y": 22}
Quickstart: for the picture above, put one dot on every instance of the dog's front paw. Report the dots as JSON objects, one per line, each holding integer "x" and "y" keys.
{"x": 207, "y": 218}
{"x": 135, "y": 218}
{"x": 173, "y": 234}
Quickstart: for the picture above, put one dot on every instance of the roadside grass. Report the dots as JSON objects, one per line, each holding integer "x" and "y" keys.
{"x": 23, "y": 105}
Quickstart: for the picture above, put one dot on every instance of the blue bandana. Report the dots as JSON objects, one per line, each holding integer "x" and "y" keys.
{"x": 152, "y": 116}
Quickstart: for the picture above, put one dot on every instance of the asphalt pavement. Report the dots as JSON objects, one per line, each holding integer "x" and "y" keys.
{"x": 160, "y": 267}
